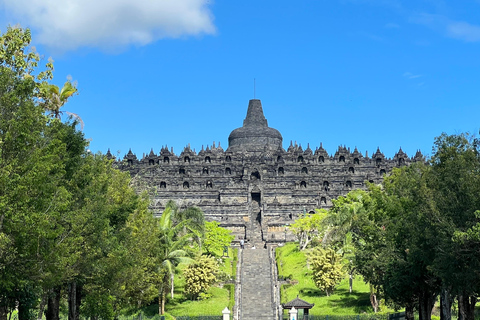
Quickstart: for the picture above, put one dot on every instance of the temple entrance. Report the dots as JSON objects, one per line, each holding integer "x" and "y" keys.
{"x": 256, "y": 200}
{"x": 256, "y": 233}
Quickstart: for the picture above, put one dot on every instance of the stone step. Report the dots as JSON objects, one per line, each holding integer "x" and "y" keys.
{"x": 256, "y": 285}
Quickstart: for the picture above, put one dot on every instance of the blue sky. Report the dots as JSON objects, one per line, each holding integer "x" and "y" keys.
{"x": 360, "y": 73}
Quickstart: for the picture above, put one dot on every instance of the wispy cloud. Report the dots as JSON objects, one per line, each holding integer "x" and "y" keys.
{"x": 460, "y": 30}
{"x": 69, "y": 24}
{"x": 410, "y": 75}
{"x": 464, "y": 31}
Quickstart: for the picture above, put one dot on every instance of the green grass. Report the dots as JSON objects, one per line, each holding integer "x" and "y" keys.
{"x": 292, "y": 264}
{"x": 221, "y": 296}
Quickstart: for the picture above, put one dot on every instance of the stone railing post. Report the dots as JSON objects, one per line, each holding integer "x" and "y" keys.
{"x": 293, "y": 313}
{"x": 226, "y": 314}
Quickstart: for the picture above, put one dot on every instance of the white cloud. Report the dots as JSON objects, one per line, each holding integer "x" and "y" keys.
{"x": 464, "y": 31}
{"x": 410, "y": 75}
{"x": 454, "y": 29}
{"x": 69, "y": 24}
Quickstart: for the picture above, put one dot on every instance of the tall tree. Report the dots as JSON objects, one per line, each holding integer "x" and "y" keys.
{"x": 456, "y": 183}
{"x": 173, "y": 240}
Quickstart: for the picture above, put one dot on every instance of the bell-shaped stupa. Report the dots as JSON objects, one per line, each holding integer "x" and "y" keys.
{"x": 255, "y": 135}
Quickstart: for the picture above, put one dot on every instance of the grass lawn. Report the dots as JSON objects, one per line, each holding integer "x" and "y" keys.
{"x": 220, "y": 296}
{"x": 292, "y": 263}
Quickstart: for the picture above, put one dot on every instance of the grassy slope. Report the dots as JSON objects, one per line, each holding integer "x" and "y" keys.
{"x": 220, "y": 297}
{"x": 292, "y": 262}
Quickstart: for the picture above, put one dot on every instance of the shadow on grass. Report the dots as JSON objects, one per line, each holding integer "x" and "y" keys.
{"x": 342, "y": 298}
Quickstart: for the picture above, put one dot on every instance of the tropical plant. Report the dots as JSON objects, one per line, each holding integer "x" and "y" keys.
{"x": 177, "y": 231}
{"x": 327, "y": 268}
{"x": 200, "y": 275}
{"x": 309, "y": 228}
{"x": 52, "y": 98}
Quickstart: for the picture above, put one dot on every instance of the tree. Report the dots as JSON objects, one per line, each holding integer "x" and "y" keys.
{"x": 31, "y": 171}
{"x": 327, "y": 269}
{"x": 216, "y": 238}
{"x": 340, "y": 226}
{"x": 53, "y": 98}
{"x": 455, "y": 180}
{"x": 397, "y": 242}
{"x": 67, "y": 218}
{"x": 173, "y": 239}
{"x": 199, "y": 276}
{"x": 309, "y": 227}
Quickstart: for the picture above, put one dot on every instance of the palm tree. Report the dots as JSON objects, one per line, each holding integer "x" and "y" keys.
{"x": 341, "y": 222}
{"x": 176, "y": 234}
{"x": 53, "y": 98}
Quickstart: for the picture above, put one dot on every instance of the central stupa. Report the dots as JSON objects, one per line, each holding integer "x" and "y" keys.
{"x": 255, "y": 135}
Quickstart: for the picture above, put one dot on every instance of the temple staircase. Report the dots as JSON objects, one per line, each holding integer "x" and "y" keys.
{"x": 256, "y": 296}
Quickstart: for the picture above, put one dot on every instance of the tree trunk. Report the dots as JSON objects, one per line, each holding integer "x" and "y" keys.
{"x": 374, "y": 301}
{"x": 74, "y": 300}
{"x": 425, "y": 305}
{"x": 159, "y": 303}
{"x": 53, "y": 305}
{"x": 466, "y": 307}
{"x": 409, "y": 314}
{"x": 79, "y": 300}
{"x": 3, "y": 310}
{"x": 446, "y": 300}
{"x": 350, "y": 281}
{"x": 41, "y": 307}
{"x": 163, "y": 301}
{"x": 172, "y": 285}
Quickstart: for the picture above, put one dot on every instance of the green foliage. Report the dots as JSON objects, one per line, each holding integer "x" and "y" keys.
{"x": 66, "y": 216}
{"x": 199, "y": 276}
{"x": 309, "y": 227}
{"x": 293, "y": 264}
{"x": 216, "y": 238}
{"x": 99, "y": 305}
{"x": 327, "y": 269}
{"x": 16, "y": 55}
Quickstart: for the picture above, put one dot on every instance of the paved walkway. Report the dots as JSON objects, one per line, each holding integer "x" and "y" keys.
{"x": 256, "y": 282}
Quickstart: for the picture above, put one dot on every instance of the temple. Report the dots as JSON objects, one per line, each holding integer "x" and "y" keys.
{"x": 255, "y": 187}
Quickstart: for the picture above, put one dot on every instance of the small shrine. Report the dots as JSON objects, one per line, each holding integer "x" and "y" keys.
{"x": 298, "y": 304}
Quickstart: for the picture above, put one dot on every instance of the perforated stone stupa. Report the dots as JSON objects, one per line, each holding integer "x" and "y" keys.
{"x": 255, "y": 187}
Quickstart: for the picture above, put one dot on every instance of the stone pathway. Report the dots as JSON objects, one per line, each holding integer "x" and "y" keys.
{"x": 256, "y": 281}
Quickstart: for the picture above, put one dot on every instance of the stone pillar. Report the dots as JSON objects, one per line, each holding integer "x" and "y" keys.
{"x": 293, "y": 313}
{"x": 226, "y": 314}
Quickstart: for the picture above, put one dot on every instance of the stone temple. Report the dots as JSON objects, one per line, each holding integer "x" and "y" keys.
{"x": 255, "y": 187}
